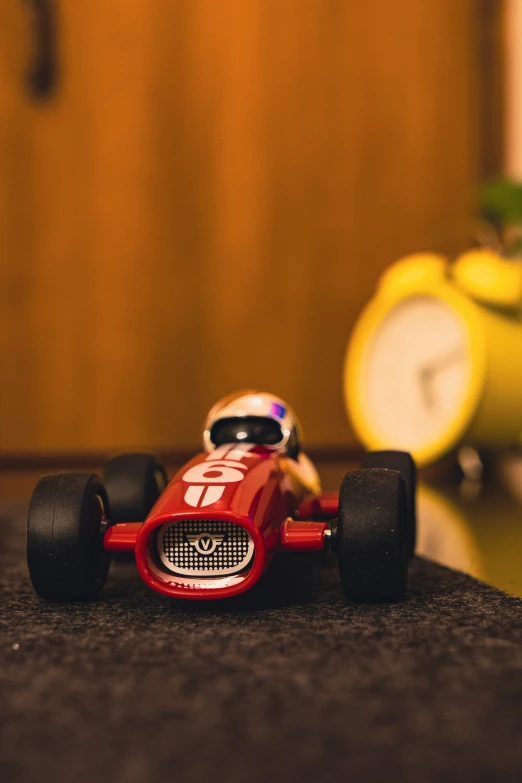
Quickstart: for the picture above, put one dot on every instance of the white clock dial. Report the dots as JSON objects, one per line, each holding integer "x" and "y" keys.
{"x": 416, "y": 373}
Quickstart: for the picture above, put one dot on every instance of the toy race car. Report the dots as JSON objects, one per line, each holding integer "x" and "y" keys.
{"x": 213, "y": 530}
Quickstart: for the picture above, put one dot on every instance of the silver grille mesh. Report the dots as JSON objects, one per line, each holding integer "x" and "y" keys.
{"x": 204, "y": 547}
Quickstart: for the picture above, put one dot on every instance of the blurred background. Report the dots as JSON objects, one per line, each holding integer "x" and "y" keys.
{"x": 198, "y": 196}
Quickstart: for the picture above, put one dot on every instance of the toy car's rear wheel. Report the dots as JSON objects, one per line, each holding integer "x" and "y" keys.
{"x": 65, "y": 530}
{"x": 371, "y": 535}
{"x": 402, "y": 461}
{"x": 134, "y": 482}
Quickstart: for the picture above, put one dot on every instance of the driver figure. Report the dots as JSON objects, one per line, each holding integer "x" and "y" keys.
{"x": 263, "y": 419}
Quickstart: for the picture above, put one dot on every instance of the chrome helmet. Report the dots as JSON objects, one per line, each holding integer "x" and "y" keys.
{"x": 253, "y": 417}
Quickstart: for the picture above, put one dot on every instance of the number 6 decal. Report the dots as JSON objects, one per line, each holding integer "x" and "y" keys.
{"x": 219, "y": 472}
{"x": 213, "y": 475}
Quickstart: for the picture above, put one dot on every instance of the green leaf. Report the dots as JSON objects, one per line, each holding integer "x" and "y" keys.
{"x": 500, "y": 202}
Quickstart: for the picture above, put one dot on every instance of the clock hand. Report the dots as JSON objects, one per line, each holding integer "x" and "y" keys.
{"x": 427, "y": 373}
{"x": 444, "y": 361}
{"x": 426, "y": 377}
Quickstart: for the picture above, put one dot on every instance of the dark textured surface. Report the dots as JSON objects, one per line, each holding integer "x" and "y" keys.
{"x": 287, "y": 683}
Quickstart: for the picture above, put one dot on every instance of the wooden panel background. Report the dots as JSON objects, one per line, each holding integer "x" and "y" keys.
{"x": 208, "y": 199}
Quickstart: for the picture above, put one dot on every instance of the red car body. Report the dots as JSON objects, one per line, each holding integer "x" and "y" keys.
{"x": 219, "y": 522}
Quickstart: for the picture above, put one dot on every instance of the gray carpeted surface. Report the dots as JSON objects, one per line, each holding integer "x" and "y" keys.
{"x": 287, "y": 683}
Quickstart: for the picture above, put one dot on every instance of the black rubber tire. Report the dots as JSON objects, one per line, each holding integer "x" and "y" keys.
{"x": 65, "y": 529}
{"x": 133, "y": 482}
{"x": 371, "y": 536}
{"x": 402, "y": 461}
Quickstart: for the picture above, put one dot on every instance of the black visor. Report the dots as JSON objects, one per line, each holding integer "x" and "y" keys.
{"x": 251, "y": 429}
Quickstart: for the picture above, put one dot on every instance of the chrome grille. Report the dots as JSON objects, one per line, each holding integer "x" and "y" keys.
{"x": 204, "y": 547}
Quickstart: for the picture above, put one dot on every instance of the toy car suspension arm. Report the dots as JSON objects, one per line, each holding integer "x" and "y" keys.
{"x": 122, "y": 537}
{"x": 325, "y": 506}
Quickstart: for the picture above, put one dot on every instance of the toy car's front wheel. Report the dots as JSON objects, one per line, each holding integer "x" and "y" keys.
{"x": 403, "y": 462}
{"x": 65, "y": 529}
{"x": 372, "y": 535}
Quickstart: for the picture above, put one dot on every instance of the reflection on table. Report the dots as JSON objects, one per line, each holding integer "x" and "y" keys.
{"x": 476, "y": 526}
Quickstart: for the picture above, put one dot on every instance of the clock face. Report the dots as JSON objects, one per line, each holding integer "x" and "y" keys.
{"x": 416, "y": 373}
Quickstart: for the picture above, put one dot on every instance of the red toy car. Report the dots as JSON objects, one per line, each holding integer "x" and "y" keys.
{"x": 213, "y": 530}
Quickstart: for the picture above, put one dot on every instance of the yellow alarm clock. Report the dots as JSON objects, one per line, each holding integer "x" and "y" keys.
{"x": 435, "y": 359}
